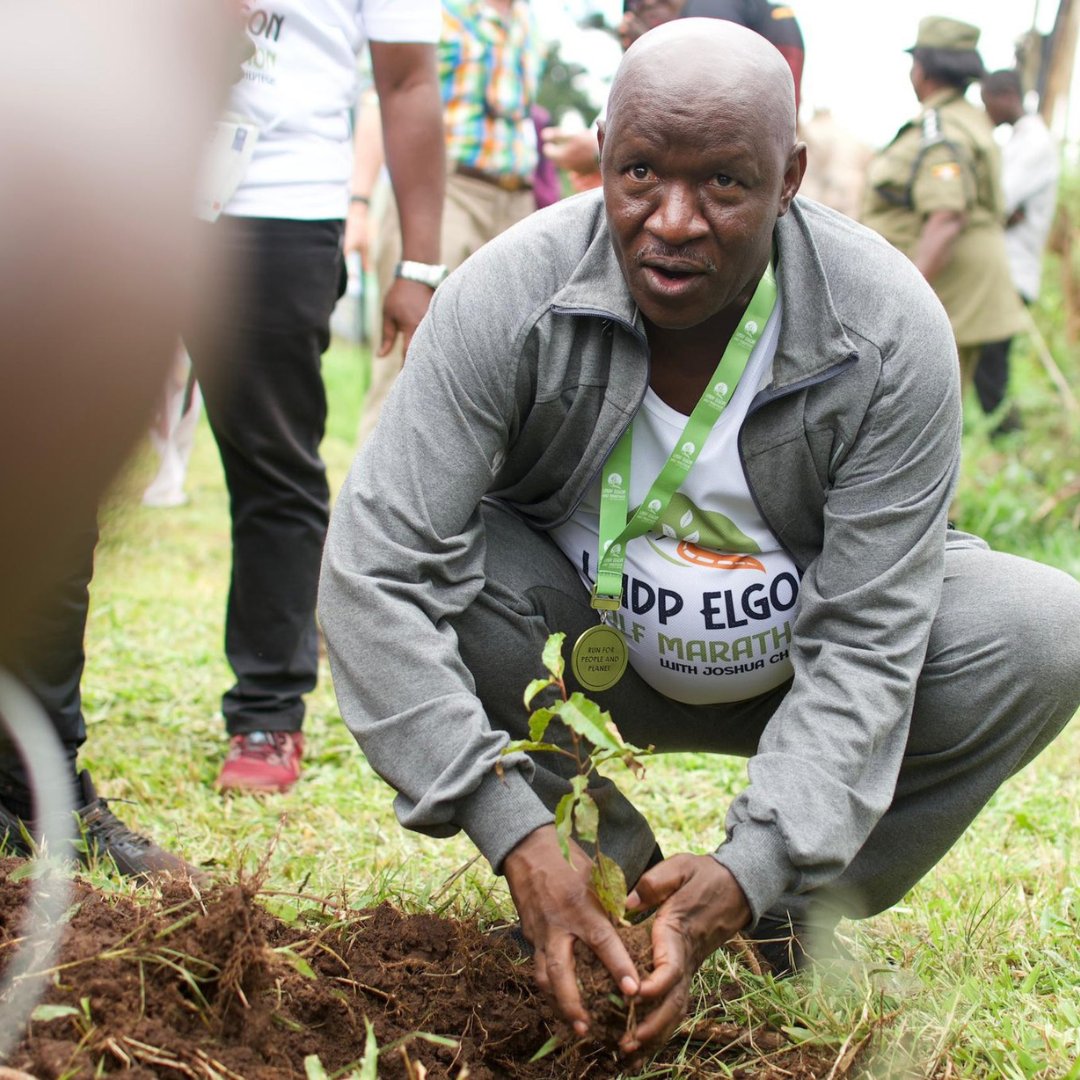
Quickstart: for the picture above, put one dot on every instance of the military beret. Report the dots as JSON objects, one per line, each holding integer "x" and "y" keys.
{"x": 938, "y": 32}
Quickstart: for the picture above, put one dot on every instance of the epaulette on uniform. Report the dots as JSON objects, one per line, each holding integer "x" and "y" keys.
{"x": 931, "y": 128}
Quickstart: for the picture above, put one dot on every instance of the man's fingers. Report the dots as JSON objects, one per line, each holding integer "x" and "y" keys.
{"x": 656, "y": 885}
{"x": 660, "y": 1023}
{"x": 561, "y": 978}
{"x": 389, "y": 333}
{"x": 670, "y": 961}
{"x": 613, "y": 955}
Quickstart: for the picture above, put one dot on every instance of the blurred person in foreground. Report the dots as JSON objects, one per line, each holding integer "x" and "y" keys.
{"x": 1029, "y": 179}
{"x": 576, "y": 151}
{"x": 489, "y": 60}
{"x": 259, "y": 365}
{"x": 935, "y": 192}
{"x": 88, "y": 324}
{"x": 766, "y": 396}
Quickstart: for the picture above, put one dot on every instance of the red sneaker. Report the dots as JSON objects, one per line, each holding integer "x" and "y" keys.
{"x": 262, "y": 761}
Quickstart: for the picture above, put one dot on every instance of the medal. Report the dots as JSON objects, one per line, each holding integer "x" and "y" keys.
{"x": 599, "y": 657}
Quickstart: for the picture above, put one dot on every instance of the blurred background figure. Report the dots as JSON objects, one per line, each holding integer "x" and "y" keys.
{"x": 576, "y": 151}
{"x": 1029, "y": 178}
{"x": 489, "y": 58}
{"x": 88, "y": 324}
{"x": 836, "y": 164}
{"x": 259, "y": 366}
{"x": 172, "y": 434}
{"x": 935, "y": 192}
{"x": 774, "y": 22}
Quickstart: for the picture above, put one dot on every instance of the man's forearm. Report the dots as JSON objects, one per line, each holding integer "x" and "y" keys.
{"x": 368, "y": 148}
{"x": 936, "y": 242}
{"x": 411, "y": 111}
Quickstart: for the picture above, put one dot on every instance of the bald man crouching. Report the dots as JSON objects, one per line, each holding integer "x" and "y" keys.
{"x": 726, "y": 421}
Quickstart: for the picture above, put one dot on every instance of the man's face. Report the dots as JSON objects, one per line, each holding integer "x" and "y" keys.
{"x": 1001, "y": 108}
{"x": 692, "y": 198}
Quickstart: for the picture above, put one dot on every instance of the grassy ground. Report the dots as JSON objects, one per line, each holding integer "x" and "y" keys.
{"x": 975, "y": 974}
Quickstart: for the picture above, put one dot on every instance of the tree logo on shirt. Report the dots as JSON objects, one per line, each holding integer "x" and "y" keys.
{"x": 704, "y": 538}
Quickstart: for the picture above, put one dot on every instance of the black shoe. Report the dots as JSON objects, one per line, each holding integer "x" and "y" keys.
{"x": 134, "y": 855}
{"x": 12, "y": 832}
{"x": 788, "y": 948}
{"x": 513, "y": 939}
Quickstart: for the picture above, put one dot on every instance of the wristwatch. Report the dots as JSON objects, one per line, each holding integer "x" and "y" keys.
{"x": 430, "y": 274}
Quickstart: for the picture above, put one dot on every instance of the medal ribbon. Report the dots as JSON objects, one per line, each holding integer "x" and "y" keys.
{"x": 615, "y": 531}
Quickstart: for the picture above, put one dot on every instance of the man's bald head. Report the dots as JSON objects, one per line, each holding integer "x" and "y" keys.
{"x": 701, "y": 65}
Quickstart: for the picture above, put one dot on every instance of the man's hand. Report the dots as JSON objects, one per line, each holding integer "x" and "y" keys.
{"x": 556, "y": 907}
{"x": 405, "y": 305}
{"x": 573, "y": 150}
{"x": 700, "y": 907}
{"x": 358, "y": 232}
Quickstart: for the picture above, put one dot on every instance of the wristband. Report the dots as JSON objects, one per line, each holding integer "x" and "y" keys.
{"x": 363, "y": 200}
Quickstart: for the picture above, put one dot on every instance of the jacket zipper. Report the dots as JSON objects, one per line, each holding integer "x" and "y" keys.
{"x": 767, "y": 397}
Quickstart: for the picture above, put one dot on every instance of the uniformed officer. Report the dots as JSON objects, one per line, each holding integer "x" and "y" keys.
{"x": 935, "y": 192}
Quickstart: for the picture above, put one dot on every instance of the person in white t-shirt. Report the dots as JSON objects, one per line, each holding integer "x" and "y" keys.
{"x": 259, "y": 368}
{"x": 1029, "y": 177}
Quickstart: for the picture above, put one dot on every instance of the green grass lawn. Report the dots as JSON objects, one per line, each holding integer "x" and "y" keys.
{"x": 976, "y": 973}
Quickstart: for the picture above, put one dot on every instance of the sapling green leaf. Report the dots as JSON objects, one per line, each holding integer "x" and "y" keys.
{"x": 538, "y": 723}
{"x": 586, "y": 819}
{"x": 530, "y": 747}
{"x": 564, "y": 823}
{"x": 587, "y": 719}
{"x": 535, "y": 687}
{"x": 552, "y": 656}
{"x": 609, "y": 884}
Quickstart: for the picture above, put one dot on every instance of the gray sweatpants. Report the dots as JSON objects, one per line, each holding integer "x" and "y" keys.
{"x": 1000, "y": 681}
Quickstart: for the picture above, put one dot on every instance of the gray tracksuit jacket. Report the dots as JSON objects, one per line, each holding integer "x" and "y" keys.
{"x": 531, "y": 362}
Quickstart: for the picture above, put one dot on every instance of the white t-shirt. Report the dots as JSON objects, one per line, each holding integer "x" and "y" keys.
{"x": 709, "y": 600}
{"x": 298, "y": 88}
{"x": 1029, "y": 176}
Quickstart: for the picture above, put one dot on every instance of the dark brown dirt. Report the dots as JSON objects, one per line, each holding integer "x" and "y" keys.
{"x": 611, "y": 1014}
{"x": 214, "y": 987}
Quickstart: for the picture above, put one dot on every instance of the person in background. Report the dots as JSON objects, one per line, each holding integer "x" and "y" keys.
{"x": 259, "y": 365}
{"x": 172, "y": 435}
{"x": 576, "y": 151}
{"x": 489, "y": 71}
{"x": 935, "y": 192}
{"x": 1029, "y": 178}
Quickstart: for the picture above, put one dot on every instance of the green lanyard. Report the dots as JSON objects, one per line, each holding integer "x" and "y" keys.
{"x": 615, "y": 531}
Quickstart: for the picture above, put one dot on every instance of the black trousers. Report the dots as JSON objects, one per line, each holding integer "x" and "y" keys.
{"x": 260, "y": 369}
{"x": 992, "y": 374}
{"x": 48, "y": 658}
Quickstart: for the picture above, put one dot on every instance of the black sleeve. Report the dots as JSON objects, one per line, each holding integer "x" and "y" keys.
{"x": 774, "y": 22}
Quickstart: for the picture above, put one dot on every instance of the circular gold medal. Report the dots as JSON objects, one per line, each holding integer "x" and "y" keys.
{"x": 599, "y": 657}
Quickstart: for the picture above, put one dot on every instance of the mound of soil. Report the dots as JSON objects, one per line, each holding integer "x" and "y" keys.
{"x": 214, "y": 987}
